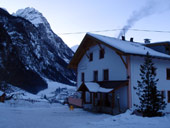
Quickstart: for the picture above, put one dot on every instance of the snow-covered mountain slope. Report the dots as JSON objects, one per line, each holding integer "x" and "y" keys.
{"x": 74, "y": 48}
{"x": 30, "y": 51}
{"x": 55, "y": 93}
{"x": 40, "y": 22}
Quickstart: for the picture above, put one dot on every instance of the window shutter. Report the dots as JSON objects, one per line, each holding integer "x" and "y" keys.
{"x": 168, "y": 96}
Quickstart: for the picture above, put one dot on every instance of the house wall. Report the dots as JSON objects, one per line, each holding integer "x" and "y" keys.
{"x": 111, "y": 61}
{"x": 122, "y": 94}
{"x": 162, "y": 85}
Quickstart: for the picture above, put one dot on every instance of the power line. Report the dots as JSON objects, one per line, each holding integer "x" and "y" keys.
{"x": 98, "y": 31}
{"x": 150, "y": 30}
{"x": 86, "y": 32}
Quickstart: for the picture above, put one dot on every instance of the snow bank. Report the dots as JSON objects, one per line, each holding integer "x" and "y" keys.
{"x": 127, "y": 120}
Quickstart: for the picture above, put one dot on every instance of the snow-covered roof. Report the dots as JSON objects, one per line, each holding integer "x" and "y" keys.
{"x": 92, "y": 87}
{"x": 95, "y": 87}
{"x": 129, "y": 47}
{"x": 120, "y": 46}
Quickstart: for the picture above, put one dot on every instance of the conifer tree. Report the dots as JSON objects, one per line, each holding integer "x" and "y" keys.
{"x": 151, "y": 100}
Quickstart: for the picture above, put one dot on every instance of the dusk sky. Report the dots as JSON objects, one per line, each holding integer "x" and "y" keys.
{"x": 70, "y": 16}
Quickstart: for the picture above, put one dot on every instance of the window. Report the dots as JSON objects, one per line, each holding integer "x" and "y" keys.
{"x": 168, "y": 96}
{"x": 101, "y": 53}
{"x": 106, "y": 74}
{"x": 167, "y": 49}
{"x": 162, "y": 94}
{"x": 91, "y": 57}
{"x": 82, "y": 76}
{"x": 168, "y": 73}
{"x": 95, "y": 75}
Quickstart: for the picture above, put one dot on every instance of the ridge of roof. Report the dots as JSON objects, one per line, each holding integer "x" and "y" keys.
{"x": 161, "y": 42}
{"x": 129, "y": 47}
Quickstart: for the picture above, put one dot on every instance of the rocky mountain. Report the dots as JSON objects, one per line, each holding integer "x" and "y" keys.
{"x": 31, "y": 52}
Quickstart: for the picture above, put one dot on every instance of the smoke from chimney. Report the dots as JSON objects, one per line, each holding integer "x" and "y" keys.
{"x": 151, "y": 7}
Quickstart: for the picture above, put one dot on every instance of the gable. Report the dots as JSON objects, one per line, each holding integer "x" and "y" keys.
{"x": 85, "y": 45}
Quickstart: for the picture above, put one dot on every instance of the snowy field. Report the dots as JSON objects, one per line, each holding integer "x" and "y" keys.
{"x": 22, "y": 113}
{"x": 45, "y": 115}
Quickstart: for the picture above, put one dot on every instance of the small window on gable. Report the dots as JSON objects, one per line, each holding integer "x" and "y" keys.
{"x": 101, "y": 54}
{"x": 106, "y": 75}
{"x": 82, "y": 77}
{"x": 168, "y": 96}
{"x": 95, "y": 75}
{"x": 168, "y": 73}
{"x": 91, "y": 57}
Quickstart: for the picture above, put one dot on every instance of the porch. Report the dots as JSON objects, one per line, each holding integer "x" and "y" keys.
{"x": 107, "y": 97}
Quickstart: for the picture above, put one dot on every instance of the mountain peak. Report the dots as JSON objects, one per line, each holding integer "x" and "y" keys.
{"x": 32, "y": 15}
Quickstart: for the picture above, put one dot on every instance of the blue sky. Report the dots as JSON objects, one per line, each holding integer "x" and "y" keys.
{"x": 69, "y": 16}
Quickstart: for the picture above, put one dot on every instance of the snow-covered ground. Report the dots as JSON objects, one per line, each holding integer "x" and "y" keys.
{"x": 45, "y": 115}
{"x": 52, "y": 86}
{"x": 55, "y": 92}
{"x": 22, "y": 113}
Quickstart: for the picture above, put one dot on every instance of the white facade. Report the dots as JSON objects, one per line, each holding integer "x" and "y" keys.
{"x": 162, "y": 85}
{"x": 111, "y": 61}
{"x": 117, "y": 71}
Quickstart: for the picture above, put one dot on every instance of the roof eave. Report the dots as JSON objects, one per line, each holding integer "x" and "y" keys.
{"x": 158, "y": 57}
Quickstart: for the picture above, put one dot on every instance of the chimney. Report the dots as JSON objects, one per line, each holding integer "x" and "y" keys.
{"x": 147, "y": 41}
{"x": 123, "y": 37}
{"x": 131, "y": 39}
